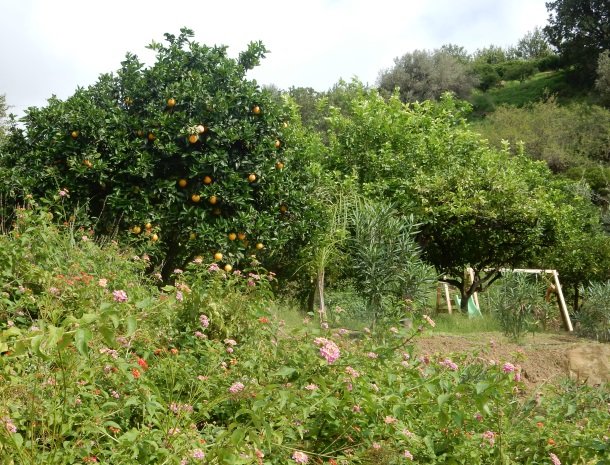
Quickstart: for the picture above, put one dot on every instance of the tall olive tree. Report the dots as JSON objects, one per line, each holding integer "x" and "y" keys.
{"x": 422, "y": 75}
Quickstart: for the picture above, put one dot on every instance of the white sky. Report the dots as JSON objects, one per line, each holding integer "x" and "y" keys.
{"x": 52, "y": 46}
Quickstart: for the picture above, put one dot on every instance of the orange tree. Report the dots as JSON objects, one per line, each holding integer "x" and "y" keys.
{"x": 185, "y": 157}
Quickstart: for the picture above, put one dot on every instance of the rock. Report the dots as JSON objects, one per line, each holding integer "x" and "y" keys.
{"x": 589, "y": 364}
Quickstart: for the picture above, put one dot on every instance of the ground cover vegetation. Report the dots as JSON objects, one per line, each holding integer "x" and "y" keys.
{"x": 157, "y": 226}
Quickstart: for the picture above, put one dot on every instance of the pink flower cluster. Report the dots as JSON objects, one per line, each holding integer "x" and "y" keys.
{"x": 9, "y": 425}
{"x": 300, "y": 457}
{"x": 236, "y": 387}
{"x": 119, "y": 296}
{"x": 554, "y": 459}
{"x": 448, "y": 363}
{"x": 204, "y": 321}
{"x": 328, "y": 349}
{"x": 490, "y": 436}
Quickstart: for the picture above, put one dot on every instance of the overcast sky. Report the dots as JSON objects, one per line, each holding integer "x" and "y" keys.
{"x": 52, "y": 46}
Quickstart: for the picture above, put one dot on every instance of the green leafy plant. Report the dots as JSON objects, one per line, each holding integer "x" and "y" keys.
{"x": 593, "y": 316}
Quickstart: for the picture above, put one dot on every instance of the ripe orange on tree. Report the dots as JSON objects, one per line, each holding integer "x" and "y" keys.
{"x": 228, "y": 268}
{"x": 256, "y": 110}
{"x": 213, "y": 200}
{"x": 200, "y": 128}
{"x": 252, "y": 177}
{"x": 259, "y": 245}
{"x": 148, "y": 226}
{"x": 182, "y": 183}
{"x": 74, "y": 134}
{"x": 279, "y": 165}
{"x": 154, "y": 238}
{"x": 171, "y": 102}
{"x": 232, "y": 236}
{"x": 241, "y": 236}
{"x": 277, "y": 144}
{"x": 151, "y": 136}
{"x": 136, "y": 229}
{"x": 193, "y": 138}
{"x": 207, "y": 180}
{"x": 196, "y": 198}
{"x": 217, "y": 256}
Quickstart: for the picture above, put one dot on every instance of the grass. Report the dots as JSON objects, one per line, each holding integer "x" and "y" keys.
{"x": 462, "y": 324}
{"x": 518, "y": 94}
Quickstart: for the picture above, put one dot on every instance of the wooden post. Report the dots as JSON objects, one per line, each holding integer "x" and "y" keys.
{"x": 448, "y": 298}
{"x": 562, "y": 302}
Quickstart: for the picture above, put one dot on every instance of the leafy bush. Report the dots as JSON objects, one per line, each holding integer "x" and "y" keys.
{"x": 602, "y": 84}
{"x": 139, "y": 376}
{"x": 519, "y": 304}
{"x": 593, "y": 318}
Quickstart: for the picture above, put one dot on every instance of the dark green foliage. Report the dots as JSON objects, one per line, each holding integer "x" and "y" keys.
{"x": 593, "y": 319}
{"x": 579, "y": 30}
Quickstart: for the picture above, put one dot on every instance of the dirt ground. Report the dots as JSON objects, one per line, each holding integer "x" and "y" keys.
{"x": 544, "y": 358}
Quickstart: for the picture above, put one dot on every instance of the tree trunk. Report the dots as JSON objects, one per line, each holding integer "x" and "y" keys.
{"x": 576, "y": 298}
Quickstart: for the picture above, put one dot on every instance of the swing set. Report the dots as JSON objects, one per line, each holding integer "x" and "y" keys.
{"x": 474, "y": 310}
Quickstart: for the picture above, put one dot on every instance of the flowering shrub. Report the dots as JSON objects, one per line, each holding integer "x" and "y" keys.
{"x": 151, "y": 380}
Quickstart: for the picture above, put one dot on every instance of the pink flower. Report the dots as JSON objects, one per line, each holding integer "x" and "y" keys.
{"x": 449, "y": 364}
{"x": 376, "y": 446}
{"x": 429, "y": 320}
{"x": 53, "y": 290}
{"x": 119, "y": 296}
{"x": 198, "y": 454}
{"x": 102, "y": 282}
{"x": 490, "y": 436}
{"x": 350, "y": 371}
{"x": 179, "y": 296}
{"x": 9, "y": 425}
{"x": 408, "y": 455}
{"x": 213, "y": 267}
{"x": 199, "y": 335}
{"x": 300, "y": 457}
{"x": 63, "y": 192}
{"x": 230, "y": 342}
{"x": 554, "y": 459}
{"x": 356, "y": 409}
{"x": 178, "y": 271}
{"x": 508, "y": 367}
{"x": 372, "y": 355}
{"x": 328, "y": 349}
{"x": 251, "y": 283}
{"x": 389, "y": 420}
{"x": 311, "y": 387}
{"x": 324, "y": 325}
{"x": 236, "y": 387}
{"x": 229, "y": 350}
{"x": 204, "y": 320}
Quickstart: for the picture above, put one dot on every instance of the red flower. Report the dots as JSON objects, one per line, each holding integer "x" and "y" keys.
{"x": 264, "y": 320}
{"x": 143, "y": 364}
{"x": 136, "y": 373}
